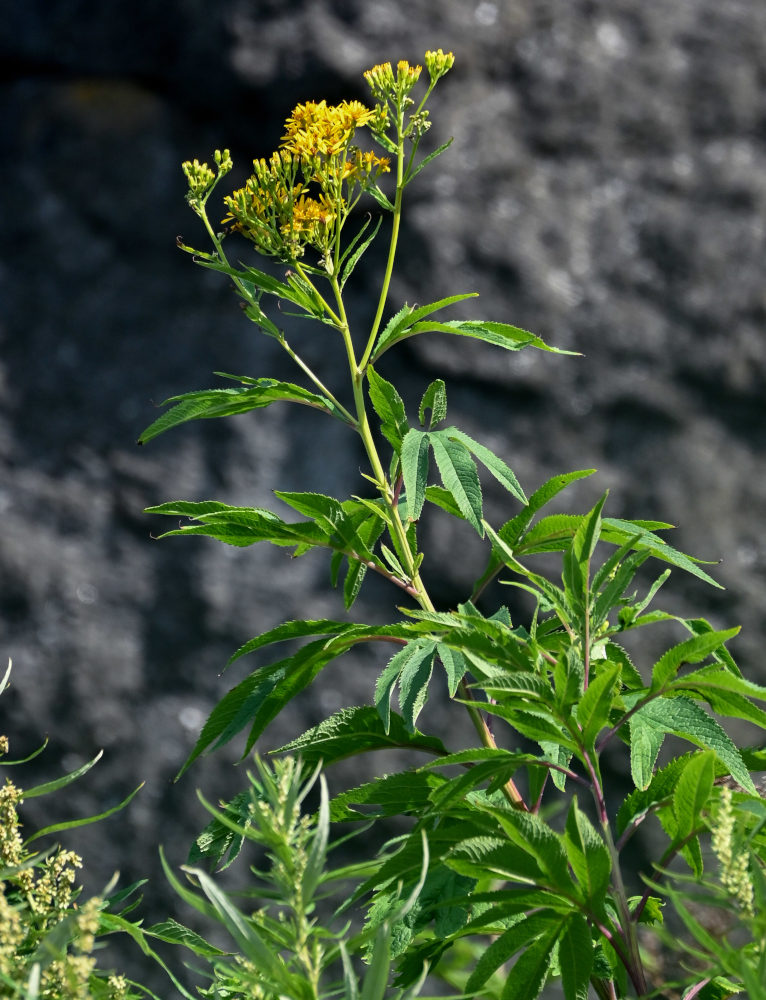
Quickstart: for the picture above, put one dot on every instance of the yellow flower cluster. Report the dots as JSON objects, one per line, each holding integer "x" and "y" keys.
{"x": 301, "y": 195}
{"x": 318, "y": 129}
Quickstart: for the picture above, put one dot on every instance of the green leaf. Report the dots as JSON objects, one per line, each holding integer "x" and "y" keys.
{"x": 440, "y": 497}
{"x": 454, "y": 665}
{"x": 218, "y": 841}
{"x": 208, "y": 403}
{"x": 398, "y": 326}
{"x": 576, "y": 958}
{"x": 687, "y": 720}
{"x": 533, "y": 835}
{"x": 389, "y": 407}
{"x": 414, "y": 679}
{"x": 415, "y": 470}
{"x": 262, "y": 281}
{"x": 512, "y": 338}
{"x": 576, "y": 571}
{"x": 496, "y": 466}
{"x": 459, "y": 476}
{"x": 619, "y": 531}
{"x": 353, "y": 260}
{"x": 386, "y": 682}
{"x": 402, "y": 794}
{"x": 527, "y": 978}
{"x": 260, "y": 697}
{"x": 518, "y": 936}
{"x": 291, "y": 630}
{"x": 63, "y": 781}
{"x": 174, "y": 933}
{"x": 250, "y": 943}
{"x": 241, "y": 526}
{"x": 74, "y": 824}
{"x": 352, "y": 731}
{"x": 658, "y": 792}
{"x": 691, "y": 651}
{"x": 589, "y": 857}
{"x": 511, "y": 532}
{"x": 596, "y": 702}
{"x": 692, "y": 792}
{"x": 645, "y": 742}
{"x": 435, "y": 400}
{"x": 413, "y": 173}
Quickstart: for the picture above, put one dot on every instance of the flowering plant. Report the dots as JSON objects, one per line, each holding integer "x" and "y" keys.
{"x": 520, "y": 841}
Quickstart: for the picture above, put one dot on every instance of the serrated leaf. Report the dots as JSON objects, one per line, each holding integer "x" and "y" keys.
{"x": 435, "y": 400}
{"x": 217, "y": 840}
{"x": 687, "y": 720}
{"x": 533, "y": 836}
{"x": 384, "y": 686}
{"x": 454, "y": 665}
{"x": 691, "y": 651}
{"x": 619, "y": 531}
{"x": 576, "y": 958}
{"x": 596, "y": 702}
{"x": 260, "y": 697}
{"x": 512, "y": 530}
{"x": 414, "y": 680}
{"x": 645, "y": 742}
{"x": 398, "y": 326}
{"x": 402, "y": 794}
{"x": 239, "y": 526}
{"x": 415, "y": 470}
{"x": 527, "y": 977}
{"x": 459, "y": 476}
{"x": 588, "y": 855}
{"x": 692, "y": 791}
{"x": 389, "y": 407}
{"x": 174, "y": 933}
{"x": 496, "y": 466}
{"x": 511, "y": 338}
{"x": 290, "y": 630}
{"x": 499, "y": 951}
{"x": 576, "y": 562}
{"x": 210, "y": 403}
{"x": 352, "y": 731}
{"x": 440, "y": 497}
{"x": 659, "y": 791}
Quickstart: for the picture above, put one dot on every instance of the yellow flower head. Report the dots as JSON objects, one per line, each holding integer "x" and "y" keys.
{"x": 322, "y": 129}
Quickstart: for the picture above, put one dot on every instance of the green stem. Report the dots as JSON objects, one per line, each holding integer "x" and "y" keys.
{"x": 634, "y": 965}
{"x": 391, "y": 247}
{"x": 417, "y": 587}
{"x": 246, "y": 295}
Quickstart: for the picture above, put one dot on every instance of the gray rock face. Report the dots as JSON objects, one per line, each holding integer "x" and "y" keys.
{"x": 606, "y": 189}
